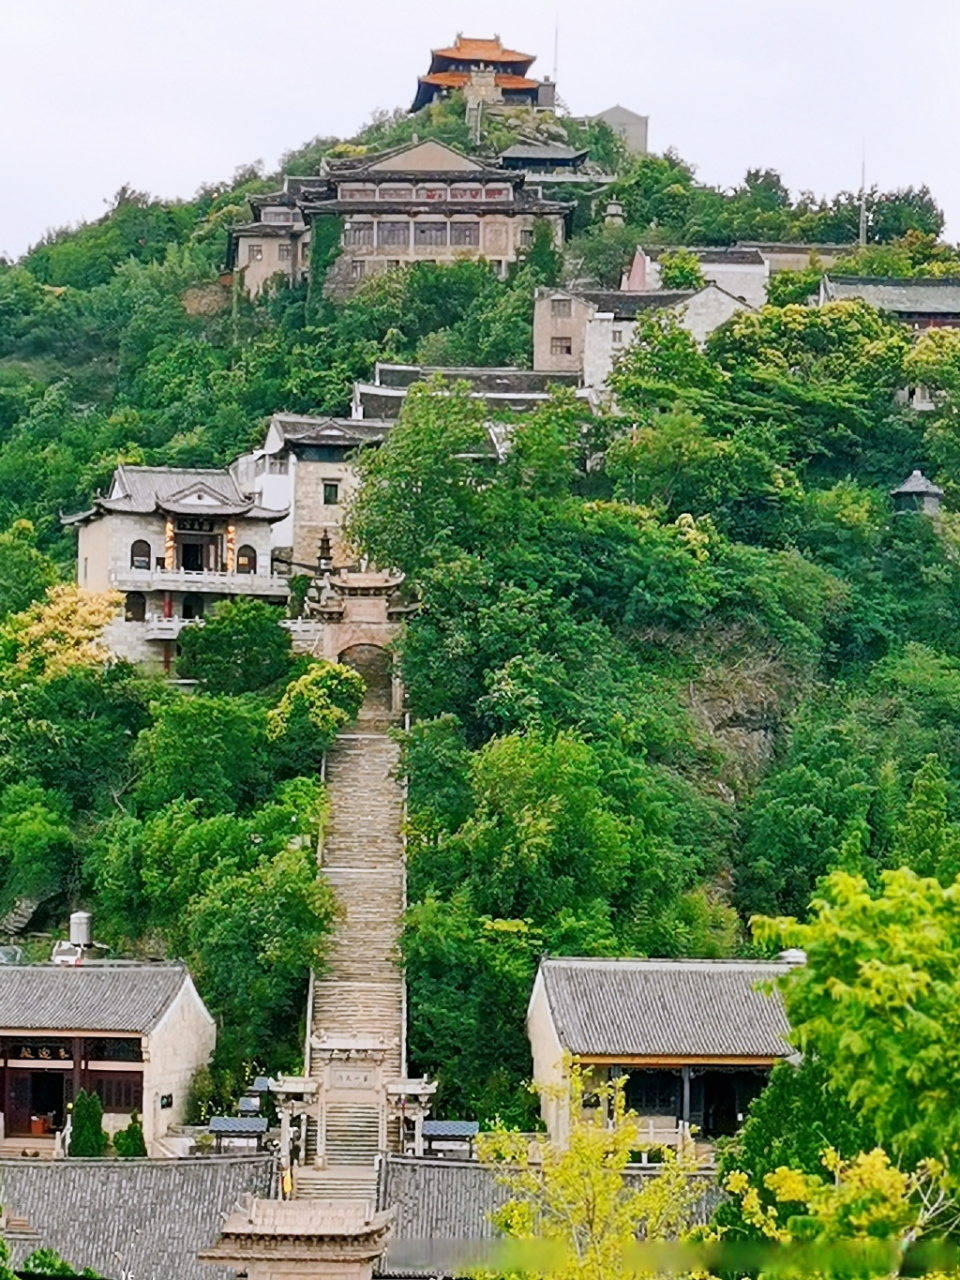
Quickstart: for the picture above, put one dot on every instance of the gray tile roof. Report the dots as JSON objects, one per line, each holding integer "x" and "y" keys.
{"x": 917, "y": 482}
{"x": 349, "y": 432}
{"x": 144, "y": 490}
{"x": 506, "y": 380}
{"x": 902, "y": 297}
{"x": 441, "y": 1205}
{"x": 148, "y": 1218}
{"x": 734, "y": 254}
{"x": 543, "y": 152}
{"x": 128, "y": 999}
{"x": 243, "y": 1126}
{"x": 450, "y": 1128}
{"x": 668, "y": 1008}
{"x": 627, "y": 305}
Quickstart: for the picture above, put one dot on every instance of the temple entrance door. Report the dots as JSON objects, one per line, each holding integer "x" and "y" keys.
{"x": 17, "y": 1110}
{"x": 720, "y": 1103}
{"x": 33, "y": 1093}
{"x": 46, "y": 1095}
{"x": 375, "y": 665}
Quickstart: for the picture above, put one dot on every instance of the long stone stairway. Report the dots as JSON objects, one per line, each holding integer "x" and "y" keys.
{"x": 357, "y": 1015}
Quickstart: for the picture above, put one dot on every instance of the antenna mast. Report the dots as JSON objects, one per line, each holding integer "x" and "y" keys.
{"x": 556, "y": 47}
{"x": 863, "y": 197}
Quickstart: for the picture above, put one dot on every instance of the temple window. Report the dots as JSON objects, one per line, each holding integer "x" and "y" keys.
{"x": 395, "y": 234}
{"x": 140, "y": 554}
{"x": 246, "y": 560}
{"x": 430, "y": 233}
{"x": 465, "y": 233}
{"x": 135, "y": 609}
{"x": 359, "y": 233}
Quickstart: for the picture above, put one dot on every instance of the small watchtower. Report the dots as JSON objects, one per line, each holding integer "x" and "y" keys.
{"x": 917, "y": 493}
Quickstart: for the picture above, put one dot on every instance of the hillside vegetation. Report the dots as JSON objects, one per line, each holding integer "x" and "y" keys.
{"x": 673, "y": 664}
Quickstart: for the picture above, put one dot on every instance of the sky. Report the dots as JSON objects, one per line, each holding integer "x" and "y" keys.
{"x": 166, "y": 95}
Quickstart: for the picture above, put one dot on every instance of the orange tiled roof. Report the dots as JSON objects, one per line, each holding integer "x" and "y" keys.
{"x": 457, "y": 80}
{"x": 482, "y": 51}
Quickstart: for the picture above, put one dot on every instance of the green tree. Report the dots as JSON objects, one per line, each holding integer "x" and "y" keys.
{"x": 47, "y": 1262}
{"x": 876, "y": 1003}
{"x": 87, "y": 1137}
{"x": 789, "y": 1125}
{"x": 36, "y": 842}
{"x": 241, "y": 648}
{"x": 25, "y": 572}
{"x": 213, "y": 749}
{"x": 128, "y": 1143}
{"x": 578, "y": 1200}
{"x": 680, "y": 269}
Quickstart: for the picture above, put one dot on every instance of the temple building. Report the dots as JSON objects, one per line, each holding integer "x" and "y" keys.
{"x": 695, "y": 1039}
{"x": 484, "y": 71}
{"x": 174, "y": 541}
{"x": 422, "y": 202}
{"x": 133, "y": 1034}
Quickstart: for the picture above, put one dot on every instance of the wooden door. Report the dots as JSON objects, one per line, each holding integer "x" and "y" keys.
{"x": 17, "y": 1109}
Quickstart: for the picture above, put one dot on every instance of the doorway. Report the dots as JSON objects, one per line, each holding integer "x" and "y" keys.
{"x": 34, "y": 1093}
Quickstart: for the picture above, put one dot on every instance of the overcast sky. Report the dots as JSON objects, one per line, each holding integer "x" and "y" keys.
{"x": 168, "y": 94}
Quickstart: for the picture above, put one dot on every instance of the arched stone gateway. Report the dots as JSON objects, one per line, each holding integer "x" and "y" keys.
{"x": 375, "y": 665}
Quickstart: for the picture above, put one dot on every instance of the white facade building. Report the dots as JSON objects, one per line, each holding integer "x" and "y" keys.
{"x": 590, "y": 329}
{"x": 133, "y": 1034}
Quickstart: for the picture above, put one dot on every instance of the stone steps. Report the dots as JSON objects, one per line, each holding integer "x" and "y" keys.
{"x": 336, "y": 1183}
{"x": 360, "y": 996}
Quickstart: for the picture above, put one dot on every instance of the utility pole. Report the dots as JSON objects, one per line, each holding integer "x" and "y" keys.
{"x": 863, "y": 197}
{"x": 556, "y": 47}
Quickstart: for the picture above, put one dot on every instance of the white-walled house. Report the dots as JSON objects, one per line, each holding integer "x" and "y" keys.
{"x": 134, "y": 1034}
{"x": 742, "y": 272}
{"x": 588, "y": 329}
{"x": 695, "y": 1039}
{"x": 174, "y": 541}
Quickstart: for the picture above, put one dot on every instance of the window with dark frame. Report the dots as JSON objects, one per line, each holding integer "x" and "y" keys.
{"x": 246, "y": 560}
{"x": 140, "y": 554}
{"x": 360, "y": 233}
{"x": 561, "y": 346}
{"x": 465, "y": 234}
{"x": 430, "y": 233}
{"x": 284, "y": 252}
{"x": 561, "y": 308}
{"x": 393, "y": 234}
{"x": 254, "y": 252}
{"x": 331, "y": 493}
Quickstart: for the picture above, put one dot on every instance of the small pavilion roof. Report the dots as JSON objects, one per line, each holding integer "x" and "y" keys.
{"x": 483, "y": 51}
{"x": 917, "y": 483}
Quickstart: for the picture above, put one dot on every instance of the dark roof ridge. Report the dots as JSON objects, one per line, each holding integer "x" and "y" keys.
{"x": 901, "y": 281}
{"x": 664, "y": 960}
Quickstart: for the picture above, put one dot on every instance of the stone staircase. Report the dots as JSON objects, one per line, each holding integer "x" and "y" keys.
{"x": 360, "y": 998}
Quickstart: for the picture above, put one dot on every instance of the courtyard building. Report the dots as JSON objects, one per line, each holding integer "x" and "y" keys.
{"x": 422, "y": 202}
{"x": 695, "y": 1039}
{"x": 133, "y": 1034}
{"x": 583, "y": 332}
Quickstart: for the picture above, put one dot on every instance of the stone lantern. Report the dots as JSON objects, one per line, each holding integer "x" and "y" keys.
{"x": 917, "y": 493}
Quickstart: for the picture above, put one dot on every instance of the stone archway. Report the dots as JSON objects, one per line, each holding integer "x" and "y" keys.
{"x": 375, "y": 665}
